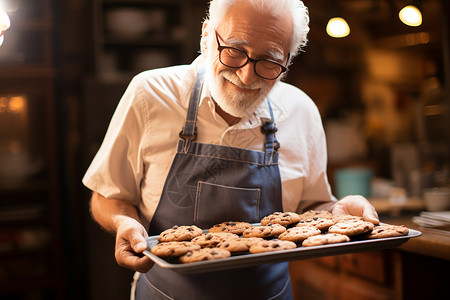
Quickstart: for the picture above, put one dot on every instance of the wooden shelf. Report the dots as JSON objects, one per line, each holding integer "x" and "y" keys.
{"x": 166, "y": 39}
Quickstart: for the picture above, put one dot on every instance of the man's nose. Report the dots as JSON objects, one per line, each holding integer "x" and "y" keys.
{"x": 247, "y": 73}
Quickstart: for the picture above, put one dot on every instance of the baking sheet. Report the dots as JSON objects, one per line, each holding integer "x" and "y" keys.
{"x": 247, "y": 259}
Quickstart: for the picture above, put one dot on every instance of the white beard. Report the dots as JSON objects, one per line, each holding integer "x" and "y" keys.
{"x": 233, "y": 103}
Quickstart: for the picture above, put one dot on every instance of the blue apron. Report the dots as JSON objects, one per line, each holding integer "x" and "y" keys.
{"x": 209, "y": 184}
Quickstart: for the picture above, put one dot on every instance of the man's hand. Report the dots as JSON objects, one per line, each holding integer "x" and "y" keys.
{"x": 130, "y": 243}
{"x": 357, "y": 206}
{"x": 122, "y": 219}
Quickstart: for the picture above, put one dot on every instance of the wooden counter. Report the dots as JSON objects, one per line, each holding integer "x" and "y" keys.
{"x": 432, "y": 242}
{"x": 418, "y": 269}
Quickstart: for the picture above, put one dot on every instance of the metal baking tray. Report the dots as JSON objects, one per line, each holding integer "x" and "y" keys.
{"x": 247, "y": 259}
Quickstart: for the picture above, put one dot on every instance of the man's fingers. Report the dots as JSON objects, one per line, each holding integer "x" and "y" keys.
{"x": 370, "y": 214}
{"x": 139, "y": 247}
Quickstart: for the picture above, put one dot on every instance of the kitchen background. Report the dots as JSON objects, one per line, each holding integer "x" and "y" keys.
{"x": 382, "y": 91}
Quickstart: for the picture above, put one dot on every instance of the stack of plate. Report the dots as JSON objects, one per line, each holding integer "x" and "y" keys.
{"x": 438, "y": 219}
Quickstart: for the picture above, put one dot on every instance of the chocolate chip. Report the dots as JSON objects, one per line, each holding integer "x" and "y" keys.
{"x": 275, "y": 245}
{"x": 208, "y": 236}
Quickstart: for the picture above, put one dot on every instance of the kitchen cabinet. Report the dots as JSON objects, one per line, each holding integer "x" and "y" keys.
{"x": 31, "y": 247}
{"x": 366, "y": 275}
{"x": 418, "y": 269}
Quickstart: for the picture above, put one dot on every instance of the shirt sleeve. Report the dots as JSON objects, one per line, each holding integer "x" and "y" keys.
{"x": 117, "y": 169}
{"x": 317, "y": 190}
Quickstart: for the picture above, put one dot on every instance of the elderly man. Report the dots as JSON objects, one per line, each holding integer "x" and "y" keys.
{"x": 196, "y": 144}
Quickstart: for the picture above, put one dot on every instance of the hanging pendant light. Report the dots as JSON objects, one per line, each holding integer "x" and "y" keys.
{"x": 338, "y": 28}
{"x": 410, "y": 15}
{"x": 4, "y": 25}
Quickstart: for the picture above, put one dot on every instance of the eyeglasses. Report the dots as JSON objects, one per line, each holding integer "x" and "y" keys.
{"x": 236, "y": 58}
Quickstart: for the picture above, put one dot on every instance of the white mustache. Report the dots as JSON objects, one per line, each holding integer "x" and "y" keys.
{"x": 234, "y": 79}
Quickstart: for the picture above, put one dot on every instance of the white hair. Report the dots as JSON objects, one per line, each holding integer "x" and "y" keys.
{"x": 298, "y": 11}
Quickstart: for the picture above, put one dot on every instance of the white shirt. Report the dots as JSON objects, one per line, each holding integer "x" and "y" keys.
{"x": 134, "y": 159}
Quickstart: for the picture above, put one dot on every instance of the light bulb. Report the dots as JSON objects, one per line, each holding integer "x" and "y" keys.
{"x": 4, "y": 22}
{"x": 410, "y": 15}
{"x": 4, "y": 25}
{"x": 338, "y": 28}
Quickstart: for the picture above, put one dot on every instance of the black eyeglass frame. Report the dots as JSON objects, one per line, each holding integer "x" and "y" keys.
{"x": 254, "y": 61}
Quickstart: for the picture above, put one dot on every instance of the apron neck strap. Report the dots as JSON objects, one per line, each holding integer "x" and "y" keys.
{"x": 269, "y": 128}
{"x": 189, "y": 131}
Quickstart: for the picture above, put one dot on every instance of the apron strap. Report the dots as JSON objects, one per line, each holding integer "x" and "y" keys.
{"x": 189, "y": 131}
{"x": 272, "y": 145}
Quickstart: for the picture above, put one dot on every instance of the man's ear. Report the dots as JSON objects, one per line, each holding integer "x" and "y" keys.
{"x": 204, "y": 39}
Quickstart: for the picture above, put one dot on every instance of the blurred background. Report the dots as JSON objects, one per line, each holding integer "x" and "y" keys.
{"x": 382, "y": 90}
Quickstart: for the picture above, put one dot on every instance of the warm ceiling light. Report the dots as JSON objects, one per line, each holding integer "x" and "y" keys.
{"x": 410, "y": 15}
{"x": 338, "y": 28}
{"x": 4, "y": 25}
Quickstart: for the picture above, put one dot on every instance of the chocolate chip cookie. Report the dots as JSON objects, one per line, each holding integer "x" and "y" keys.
{"x": 173, "y": 249}
{"x": 281, "y": 218}
{"x": 211, "y": 239}
{"x": 179, "y": 233}
{"x": 241, "y": 244}
{"x": 323, "y": 239}
{"x": 318, "y": 222}
{"x": 267, "y": 231}
{"x": 386, "y": 230}
{"x": 231, "y": 227}
{"x": 298, "y": 234}
{"x": 351, "y": 227}
{"x": 204, "y": 254}
{"x": 272, "y": 245}
{"x": 316, "y": 213}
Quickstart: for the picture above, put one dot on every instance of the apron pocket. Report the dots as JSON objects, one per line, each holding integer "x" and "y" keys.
{"x": 235, "y": 204}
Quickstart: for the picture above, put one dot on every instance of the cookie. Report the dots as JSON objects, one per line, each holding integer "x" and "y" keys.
{"x": 318, "y": 222}
{"x": 179, "y": 233}
{"x": 204, "y": 254}
{"x": 241, "y": 244}
{"x": 316, "y": 213}
{"x": 323, "y": 239}
{"x": 386, "y": 230}
{"x": 281, "y": 218}
{"x": 272, "y": 245}
{"x": 211, "y": 239}
{"x": 231, "y": 227}
{"x": 351, "y": 227}
{"x": 339, "y": 218}
{"x": 268, "y": 231}
{"x": 173, "y": 249}
{"x": 298, "y": 234}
